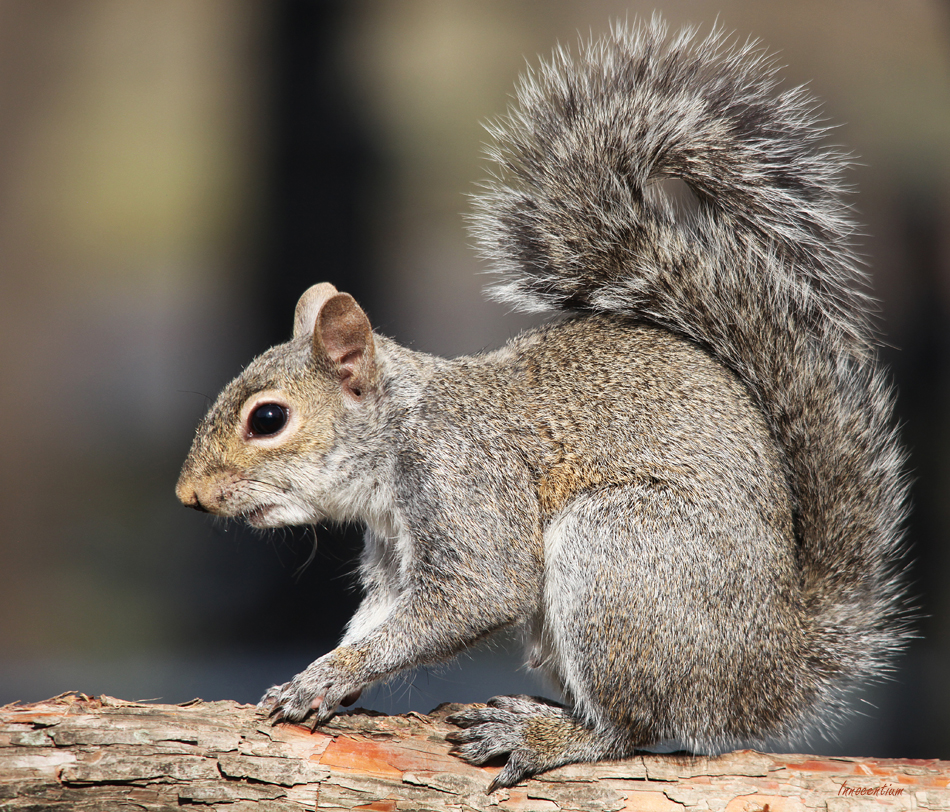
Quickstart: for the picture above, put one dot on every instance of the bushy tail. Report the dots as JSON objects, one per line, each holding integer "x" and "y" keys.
{"x": 760, "y": 272}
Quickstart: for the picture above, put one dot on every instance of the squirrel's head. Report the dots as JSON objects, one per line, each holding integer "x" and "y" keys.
{"x": 257, "y": 452}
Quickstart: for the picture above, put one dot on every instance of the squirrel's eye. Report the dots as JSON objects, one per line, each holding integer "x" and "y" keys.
{"x": 268, "y": 418}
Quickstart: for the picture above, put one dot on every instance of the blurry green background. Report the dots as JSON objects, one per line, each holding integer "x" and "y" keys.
{"x": 174, "y": 173}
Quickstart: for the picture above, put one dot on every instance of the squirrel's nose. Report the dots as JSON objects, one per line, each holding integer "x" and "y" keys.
{"x": 188, "y": 496}
{"x": 195, "y": 503}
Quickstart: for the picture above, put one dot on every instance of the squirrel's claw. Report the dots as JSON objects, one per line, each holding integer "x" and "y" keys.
{"x": 314, "y": 694}
{"x": 268, "y": 704}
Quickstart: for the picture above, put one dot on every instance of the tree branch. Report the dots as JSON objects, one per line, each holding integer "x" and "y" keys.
{"x": 83, "y": 754}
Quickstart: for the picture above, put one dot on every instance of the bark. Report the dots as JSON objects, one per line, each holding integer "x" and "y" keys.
{"x": 80, "y": 753}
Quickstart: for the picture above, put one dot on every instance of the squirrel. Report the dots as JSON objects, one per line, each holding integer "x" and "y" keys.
{"x": 686, "y": 488}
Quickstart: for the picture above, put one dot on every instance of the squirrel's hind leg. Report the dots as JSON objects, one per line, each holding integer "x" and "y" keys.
{"x": 661, "y": 600}
{"x": 655, "y": 599}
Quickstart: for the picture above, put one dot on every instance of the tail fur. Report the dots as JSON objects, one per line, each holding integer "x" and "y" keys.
{"x": 761, "y": 273}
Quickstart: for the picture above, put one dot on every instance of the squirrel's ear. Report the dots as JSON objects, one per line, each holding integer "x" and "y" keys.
{"x": 308, "y": 307}
{"x": 342, "y": 334}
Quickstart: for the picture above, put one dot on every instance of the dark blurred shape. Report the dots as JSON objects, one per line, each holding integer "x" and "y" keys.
{"x": 323, "y": 168}
{"x": 922, "y": 368}
{"x": 321, "y": 174}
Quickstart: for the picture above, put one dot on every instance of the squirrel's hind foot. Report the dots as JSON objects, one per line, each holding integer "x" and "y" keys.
{"x": 535, "y": 734}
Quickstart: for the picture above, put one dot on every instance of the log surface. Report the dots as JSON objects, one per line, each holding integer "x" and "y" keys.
{"x": 81, "y": 753}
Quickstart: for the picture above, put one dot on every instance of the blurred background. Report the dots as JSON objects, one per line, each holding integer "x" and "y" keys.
{"x": 174, "y": 174}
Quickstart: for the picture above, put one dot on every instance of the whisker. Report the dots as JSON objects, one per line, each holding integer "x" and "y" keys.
{"x": 313, "y": 554}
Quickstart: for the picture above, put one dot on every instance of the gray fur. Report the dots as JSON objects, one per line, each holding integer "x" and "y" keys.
{"x": 687, "y": 489}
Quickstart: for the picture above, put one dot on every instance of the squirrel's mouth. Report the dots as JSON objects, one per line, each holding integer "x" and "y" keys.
{"x": 258, "y": 516}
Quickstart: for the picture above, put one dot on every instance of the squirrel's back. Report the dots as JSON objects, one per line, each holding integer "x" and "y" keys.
{"x": 610, "y": 400}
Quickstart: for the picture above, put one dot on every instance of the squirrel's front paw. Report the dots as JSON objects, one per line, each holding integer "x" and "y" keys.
{"x": 524, "y": 727}
{"x": 318, "y": 690}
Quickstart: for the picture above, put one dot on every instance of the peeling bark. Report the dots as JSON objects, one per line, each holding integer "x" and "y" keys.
{"x": 88, "y": 754}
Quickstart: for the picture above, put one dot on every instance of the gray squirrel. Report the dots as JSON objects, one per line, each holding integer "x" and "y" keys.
{"x": 686, "y": 489}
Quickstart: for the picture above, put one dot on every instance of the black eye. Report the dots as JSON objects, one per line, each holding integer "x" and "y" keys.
{"x": 268, "y": 418}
